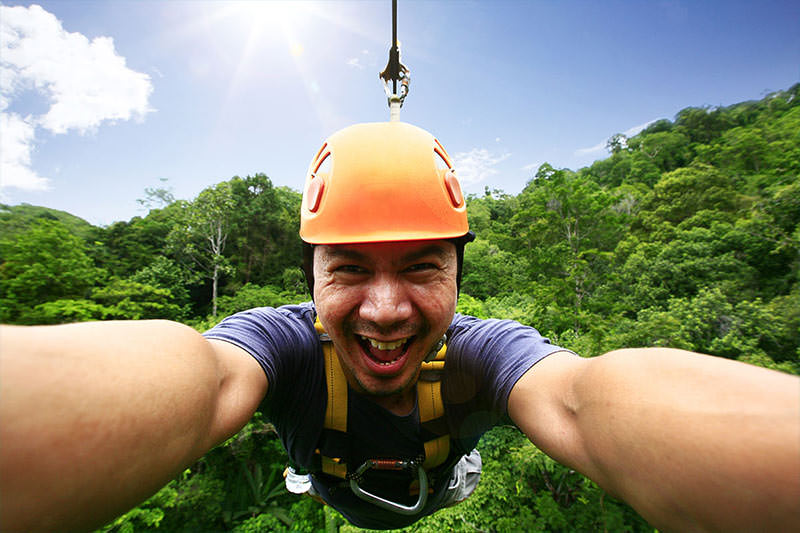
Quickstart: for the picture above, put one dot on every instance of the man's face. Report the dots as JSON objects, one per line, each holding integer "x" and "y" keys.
{"x": 385, "y": 305}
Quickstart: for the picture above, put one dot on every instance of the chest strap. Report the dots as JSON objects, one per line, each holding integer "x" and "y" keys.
{"x": 429, "y": 398}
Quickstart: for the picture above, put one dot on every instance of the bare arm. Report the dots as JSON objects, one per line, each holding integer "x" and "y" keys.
{"x": 693, "y": 443}
{"x": 95, "y": 417}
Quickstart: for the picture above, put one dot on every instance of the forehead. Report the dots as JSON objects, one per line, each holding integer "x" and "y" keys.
{"x": 392, "y": 251}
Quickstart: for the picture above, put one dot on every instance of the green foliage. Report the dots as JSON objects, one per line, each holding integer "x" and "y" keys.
{"x": 709, "y": 323}
{"x": 237, "y": 232}
{"x": 238, "y": 486}
{"x": 165, "y": 273}
{"x": 264, "y": 227}
{"x": 124, "y": 248}
{"x": 251, "y": 295}
{"x": 131, "y": 300}
{"x": 263, "y": 523}
{"x": 118, "y": 300}
{"x": 45, "y": 263}
{"x": 155, "y": 197}
{"x": 202, "y": 235}
{"x": 521, "y": 489}
{"x": 490, "y": 271}
{"x": 687, "y": 235}
{"x": 17, "y": 219}
{"x": 65, "y": 311}
{"x": 148, "y": 515}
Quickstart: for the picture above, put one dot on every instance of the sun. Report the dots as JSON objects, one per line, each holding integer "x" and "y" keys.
{"x": 258, "y": 17}
{"x": 268, "y": 43}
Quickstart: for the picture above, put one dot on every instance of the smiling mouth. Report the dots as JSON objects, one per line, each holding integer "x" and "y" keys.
{"x": 384, "y": 353}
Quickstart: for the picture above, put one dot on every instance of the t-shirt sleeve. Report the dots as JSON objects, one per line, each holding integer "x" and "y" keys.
{"x": 282, "y": 340}
{"x": 485, "y": 359}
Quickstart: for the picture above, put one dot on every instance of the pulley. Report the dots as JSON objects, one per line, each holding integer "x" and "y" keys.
{"x": 395, "y": 73}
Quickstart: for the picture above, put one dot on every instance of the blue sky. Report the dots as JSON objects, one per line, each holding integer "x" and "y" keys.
{"x": 99, "y": 100}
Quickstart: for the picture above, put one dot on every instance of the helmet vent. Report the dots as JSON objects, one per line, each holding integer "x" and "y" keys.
{"x": 316, "y": 185}
{"x": 442, "y": 161}
{"x": 324, "y": 160}
{"x": 454, "y": 189}
{"x": 442, "y": 153}
{"x": 314, "y": 196}
{"x": 324, "y": 145}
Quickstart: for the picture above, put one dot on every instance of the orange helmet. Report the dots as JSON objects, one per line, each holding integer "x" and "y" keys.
{"x": 378, "y": 182}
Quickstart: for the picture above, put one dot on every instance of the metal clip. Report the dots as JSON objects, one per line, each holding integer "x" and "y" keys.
{"x": 435, "y": 351}
{"x": 395, "y": 72}
{"x": 403, "y": 76}
{"x": 382, "y": 502}
{"x": 296, "y": 482}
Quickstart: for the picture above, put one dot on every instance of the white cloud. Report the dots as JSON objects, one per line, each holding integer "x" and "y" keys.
{"x": 86, "y": 83}
{"x": 601, "y": 147}
{"x": 355, "y": 62}
{"x": 636, "y": 129}
{"x": 16, "y": 144}
{"x": 592, "y": 149}
{"x": 476, "y": 165}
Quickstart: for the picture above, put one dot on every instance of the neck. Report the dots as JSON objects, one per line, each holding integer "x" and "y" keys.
{"x": 400, "y": 404}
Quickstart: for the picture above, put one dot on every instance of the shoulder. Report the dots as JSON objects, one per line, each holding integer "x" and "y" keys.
{"x": 287, "y": 325}
{"x": 281, "y": 339}
{"x": 470, "y": 336}
{"x": 486, "y": 357}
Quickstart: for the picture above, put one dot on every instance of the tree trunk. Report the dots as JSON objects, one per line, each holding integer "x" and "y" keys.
{"x": 214, "y": 291}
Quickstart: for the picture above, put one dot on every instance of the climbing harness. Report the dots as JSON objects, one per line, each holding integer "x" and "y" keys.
{"x": 395, "y": 72}
{"x": 431, "y": 416}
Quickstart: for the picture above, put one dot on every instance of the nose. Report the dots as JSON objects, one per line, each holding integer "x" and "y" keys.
{"x": 386, "y": 303}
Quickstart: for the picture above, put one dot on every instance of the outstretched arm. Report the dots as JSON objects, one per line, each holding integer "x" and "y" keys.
{"x": 95, "y": 417}
{"x": 692, "y": 442}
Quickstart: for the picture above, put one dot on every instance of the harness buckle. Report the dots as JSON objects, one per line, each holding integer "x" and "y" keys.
{"x": 391, "y": 464}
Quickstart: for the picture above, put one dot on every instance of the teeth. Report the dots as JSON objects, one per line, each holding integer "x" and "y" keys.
{"x": 385, "y": 345}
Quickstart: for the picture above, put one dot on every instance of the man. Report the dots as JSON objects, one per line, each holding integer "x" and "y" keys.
{"x": 97, "y": 416}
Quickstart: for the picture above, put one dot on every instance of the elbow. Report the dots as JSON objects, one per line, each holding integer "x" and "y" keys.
{"x": 197, "y": 396}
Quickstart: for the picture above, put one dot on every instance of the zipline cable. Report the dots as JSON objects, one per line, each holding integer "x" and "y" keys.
{"x": 395, "y": 71}
{"x": 394, "y": 53}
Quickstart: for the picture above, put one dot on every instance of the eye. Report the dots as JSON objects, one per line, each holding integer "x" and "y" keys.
{"x": 422, "y": 267}
{"x": 350, "y": 269}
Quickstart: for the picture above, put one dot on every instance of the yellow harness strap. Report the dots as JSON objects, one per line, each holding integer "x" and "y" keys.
{"x": 431, "y": 407}
{"x": 336, "y": 409}
{"x": 429, "y": 398}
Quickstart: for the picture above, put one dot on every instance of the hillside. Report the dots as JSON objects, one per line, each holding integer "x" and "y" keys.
{"x": 687, "y": 235}
{"x": 15, "y": 219}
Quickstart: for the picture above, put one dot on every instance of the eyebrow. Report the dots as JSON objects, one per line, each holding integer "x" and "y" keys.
{"x": 346, "y": 253}
{"x": 432, "y": 249}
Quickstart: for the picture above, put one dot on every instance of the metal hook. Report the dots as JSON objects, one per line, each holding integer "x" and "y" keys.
{"x": 387, "y": 504}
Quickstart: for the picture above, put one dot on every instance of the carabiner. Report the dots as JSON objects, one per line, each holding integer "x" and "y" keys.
{"x": 384, "y": 503}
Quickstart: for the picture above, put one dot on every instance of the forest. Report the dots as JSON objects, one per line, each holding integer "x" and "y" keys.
{"x": 686, "y": 235}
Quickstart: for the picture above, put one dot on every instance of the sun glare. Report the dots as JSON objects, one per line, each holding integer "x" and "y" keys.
{"x": 258, "y": 37}
{"x": 258, "y": 16}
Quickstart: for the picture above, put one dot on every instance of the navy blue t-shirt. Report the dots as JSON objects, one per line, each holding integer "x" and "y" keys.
{"x": 485, "y": 358}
